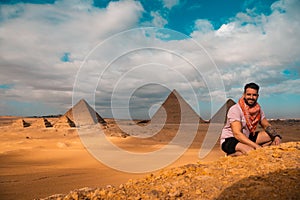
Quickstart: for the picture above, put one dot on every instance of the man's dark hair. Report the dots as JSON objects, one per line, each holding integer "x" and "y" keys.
{"x": 251, "y": 85}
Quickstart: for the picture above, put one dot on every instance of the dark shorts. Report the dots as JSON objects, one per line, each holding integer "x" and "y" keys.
{"x": 229, "y": 144}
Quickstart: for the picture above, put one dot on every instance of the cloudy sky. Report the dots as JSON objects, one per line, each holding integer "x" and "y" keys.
{"x": 131, "y": 54}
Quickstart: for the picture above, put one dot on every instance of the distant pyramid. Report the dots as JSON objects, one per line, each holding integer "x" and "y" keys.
{"x": 83, "y": 114}
{"x": 64, "y": 122}
{"x": 221, "y": 115}
{"x": 178, "y": 111}
{"x": 41, "y": 123}
{"x": 20, "y": 123}
{"x": 47, "y": 123}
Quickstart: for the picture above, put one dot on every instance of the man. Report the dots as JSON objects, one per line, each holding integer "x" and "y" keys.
{"x": 239, "y": 135}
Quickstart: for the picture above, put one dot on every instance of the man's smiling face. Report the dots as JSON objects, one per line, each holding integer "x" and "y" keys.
{"x": 251, "y": 96}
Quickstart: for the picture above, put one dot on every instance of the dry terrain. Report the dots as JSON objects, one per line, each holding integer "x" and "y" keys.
{"x": 38, "y": 161}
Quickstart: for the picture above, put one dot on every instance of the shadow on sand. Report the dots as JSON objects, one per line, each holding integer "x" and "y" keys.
{"x": 282, "y": 184}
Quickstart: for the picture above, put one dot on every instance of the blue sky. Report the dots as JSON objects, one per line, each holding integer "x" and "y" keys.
{"x": 54, "y": 52}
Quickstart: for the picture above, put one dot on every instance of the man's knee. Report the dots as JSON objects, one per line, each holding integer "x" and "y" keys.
{"x": 263, "y": 138}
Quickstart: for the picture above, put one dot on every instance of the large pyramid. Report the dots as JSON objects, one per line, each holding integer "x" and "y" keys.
{"x": 176, "y": 111}
{"x": 81, "y": 114}
{"x": 220, "y": 116}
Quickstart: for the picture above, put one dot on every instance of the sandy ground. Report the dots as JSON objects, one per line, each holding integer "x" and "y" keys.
{"x": 39, "y": 162}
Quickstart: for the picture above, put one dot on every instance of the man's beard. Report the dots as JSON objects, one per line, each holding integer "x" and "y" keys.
{"x": 247, "y": 102}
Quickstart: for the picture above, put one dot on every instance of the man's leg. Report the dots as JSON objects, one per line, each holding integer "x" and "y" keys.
{"x": 243, "y": 148}
{"x": 263, "y": 139}
{"x": 237, "y": 153}
{"x": 233, "y": 147}
{"x": 229, "y": 147}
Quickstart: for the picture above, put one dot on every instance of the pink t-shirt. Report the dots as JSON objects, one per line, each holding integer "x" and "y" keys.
{"x": 235, "y": 113}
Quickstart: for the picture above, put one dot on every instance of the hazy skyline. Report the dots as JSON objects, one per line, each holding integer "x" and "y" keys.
{"x": 43, "y": 46}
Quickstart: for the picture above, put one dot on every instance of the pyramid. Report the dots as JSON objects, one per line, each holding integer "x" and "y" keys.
{"x": 20, "y": 123}
{"x": 221, "y": 114}
{"x": 83, "y": 114}
{"x": 47, "y": 123}
{"x": 178, "y": 111}
{"x": 64, "y": 122}
{"x": 41, "y": 123}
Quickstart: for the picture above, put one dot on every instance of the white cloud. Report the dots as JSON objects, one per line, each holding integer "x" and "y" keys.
{"x": 250, "y": 47}
{"x": 170, "y": 3}
{"x": 203, "y": 26}
{"x": 281, "y": 88}
{"x": 34, "y": 38}
{"x": 158, "y": 20}
{"x": 226, "y": 30}
{"x": 257, "y": 48}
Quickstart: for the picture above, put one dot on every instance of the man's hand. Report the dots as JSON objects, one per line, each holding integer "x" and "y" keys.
{"x": 257, "y": 146}
{"x": 273, "y": 135}
{"x": 277, "y": 140}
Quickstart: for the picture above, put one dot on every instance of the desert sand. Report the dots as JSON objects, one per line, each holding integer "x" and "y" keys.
{"x": 273, "y": 173}
{"x": 37, "y": 162}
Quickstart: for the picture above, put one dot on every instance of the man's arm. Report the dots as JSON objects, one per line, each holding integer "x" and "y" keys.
{"x": 265, "y": 123}
{"x": 236, "y": 127}
{"x": 275, "y": 137}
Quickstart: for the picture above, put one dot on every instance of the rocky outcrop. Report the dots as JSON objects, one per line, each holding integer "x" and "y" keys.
{"x": 267, "y": 173}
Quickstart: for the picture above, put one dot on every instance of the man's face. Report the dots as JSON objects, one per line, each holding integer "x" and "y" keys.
{"x": 250, "y": 96}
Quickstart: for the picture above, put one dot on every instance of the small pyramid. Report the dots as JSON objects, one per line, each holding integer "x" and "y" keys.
{"x": 47, "y": 123}
{"x": 64, "y": 122}
{"x": 20, "y": 123}
{"x": 41, "y": 123}
{"x": 176, "y": 111}
{"x": 221, "y": 114}
{"x": 83, "y": 114}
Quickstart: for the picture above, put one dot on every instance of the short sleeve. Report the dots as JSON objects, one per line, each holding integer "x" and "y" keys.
{"x": 234, "y": 114}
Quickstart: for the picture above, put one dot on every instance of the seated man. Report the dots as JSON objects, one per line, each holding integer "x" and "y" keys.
{"x": 239, "y": 134}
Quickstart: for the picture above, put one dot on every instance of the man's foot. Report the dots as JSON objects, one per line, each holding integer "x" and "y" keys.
{"x": 237, "y": 153}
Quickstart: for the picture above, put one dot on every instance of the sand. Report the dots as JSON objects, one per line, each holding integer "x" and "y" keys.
{"x": 39, "y": 162}
{"x": 273, "y": 173}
